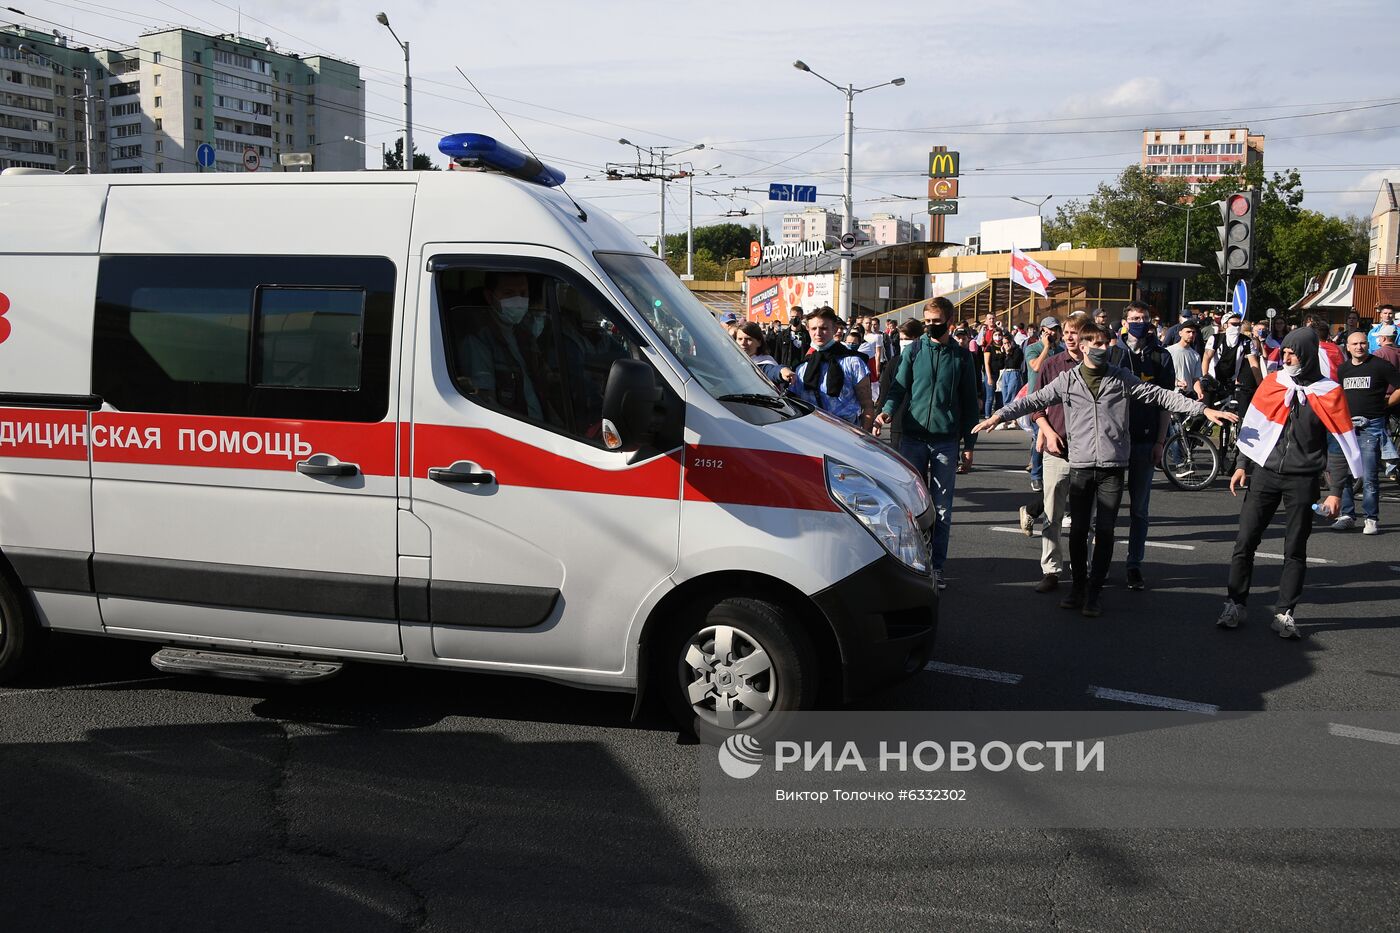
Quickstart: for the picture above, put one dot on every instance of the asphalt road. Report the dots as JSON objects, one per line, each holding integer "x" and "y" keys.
{"x": 389, "y": 799}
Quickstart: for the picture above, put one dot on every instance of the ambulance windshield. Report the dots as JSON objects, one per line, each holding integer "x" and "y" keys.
{"x": 691, "y": 332}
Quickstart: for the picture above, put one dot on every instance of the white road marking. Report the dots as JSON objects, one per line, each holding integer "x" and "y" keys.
{"x": 1123, "y": 542}
{"x": 1148, "y": 699}
{"x": 1368, "y": 735}
{"x": 1311, "y": 560}
{"x": 110, "y": 683}
{"x": 976, "y": 673}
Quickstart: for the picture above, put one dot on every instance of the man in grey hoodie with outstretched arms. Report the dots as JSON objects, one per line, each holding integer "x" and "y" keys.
{"x": 1095, "y": 397}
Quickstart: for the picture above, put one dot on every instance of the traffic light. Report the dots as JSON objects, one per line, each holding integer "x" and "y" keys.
{"x": 1236, "y": 253}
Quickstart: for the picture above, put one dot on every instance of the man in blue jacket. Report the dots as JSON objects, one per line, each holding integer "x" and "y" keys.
{"x": 939, "y": 379}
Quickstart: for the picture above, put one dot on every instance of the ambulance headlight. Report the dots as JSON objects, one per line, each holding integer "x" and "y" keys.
{"x": 882, "y": 514}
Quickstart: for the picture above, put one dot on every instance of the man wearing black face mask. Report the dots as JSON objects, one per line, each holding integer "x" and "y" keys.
{"x": 1147, "y": 427}
{"x": 1095, "y": 396}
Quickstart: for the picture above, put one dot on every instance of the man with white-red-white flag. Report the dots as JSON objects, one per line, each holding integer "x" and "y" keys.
{"x": 1284, "y": 437}
{"x": 1029, "y": 274}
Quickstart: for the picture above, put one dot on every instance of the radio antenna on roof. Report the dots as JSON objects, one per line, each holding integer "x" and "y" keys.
{"x": 582, "y": 214}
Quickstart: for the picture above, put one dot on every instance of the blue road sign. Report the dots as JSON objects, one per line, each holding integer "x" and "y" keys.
{"x": 205, "y": 155}
{"x": 779, "y": 192}
{"x": 1240, "y": 301}
{"x": 804, "y": 193}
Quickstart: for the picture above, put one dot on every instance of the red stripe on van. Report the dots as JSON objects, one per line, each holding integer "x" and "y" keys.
{"x": 742, "y": 476}
{"x": 43, "y": 434}
{"x": 519, "y": 464}
{"x": 239, "y": 443}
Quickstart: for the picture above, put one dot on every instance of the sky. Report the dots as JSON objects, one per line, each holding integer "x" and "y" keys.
{"x": 1040, "y": 99}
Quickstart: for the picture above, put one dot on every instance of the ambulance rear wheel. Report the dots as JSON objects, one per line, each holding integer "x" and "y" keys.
{"x": 728, "y": 668}
{"x": 19, "y": 632}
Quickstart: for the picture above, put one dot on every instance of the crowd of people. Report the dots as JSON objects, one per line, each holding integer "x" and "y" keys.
{"x": 1096, "y": 398}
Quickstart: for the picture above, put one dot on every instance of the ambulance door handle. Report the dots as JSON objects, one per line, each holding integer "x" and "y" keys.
{"x": 326, "y": 465}
{"x": 461, "y": 472}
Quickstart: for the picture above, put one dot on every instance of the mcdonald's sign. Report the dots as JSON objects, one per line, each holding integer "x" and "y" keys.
{"x": 943, "y": 165}
{"x": 942, "y": 188}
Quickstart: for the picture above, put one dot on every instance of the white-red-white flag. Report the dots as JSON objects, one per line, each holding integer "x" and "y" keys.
{"x": 1030, "y": 274}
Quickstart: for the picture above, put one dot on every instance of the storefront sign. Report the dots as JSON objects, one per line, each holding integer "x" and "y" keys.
{"x": 771, "y": 299}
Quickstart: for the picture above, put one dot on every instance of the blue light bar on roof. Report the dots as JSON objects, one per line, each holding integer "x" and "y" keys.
{"x": 474, "y": 147}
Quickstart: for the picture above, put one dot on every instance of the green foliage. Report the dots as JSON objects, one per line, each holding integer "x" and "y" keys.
{"x": 1291, "y": 243}
{"x": 717, "y": 244}
{"x": 421, "y": 162}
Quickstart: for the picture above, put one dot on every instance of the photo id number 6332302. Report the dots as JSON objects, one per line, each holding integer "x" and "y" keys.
{"x": 707, "y": 463}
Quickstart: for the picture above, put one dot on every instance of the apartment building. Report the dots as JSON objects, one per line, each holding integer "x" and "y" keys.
{"x": 814, "y": 223}
{"x": 888, "y": 229}
{"x": 1199, "y": 157}
{"x": 149, "y": 108}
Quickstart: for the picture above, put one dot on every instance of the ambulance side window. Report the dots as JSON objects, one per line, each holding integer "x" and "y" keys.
{"x": 531, "y": 344}
{"x": 245, "y": 336}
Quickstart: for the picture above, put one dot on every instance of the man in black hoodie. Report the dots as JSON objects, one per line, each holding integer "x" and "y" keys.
{"x": 1291, "y": 474}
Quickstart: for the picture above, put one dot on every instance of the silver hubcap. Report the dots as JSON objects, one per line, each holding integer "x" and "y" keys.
{"x": 728, "y": 677}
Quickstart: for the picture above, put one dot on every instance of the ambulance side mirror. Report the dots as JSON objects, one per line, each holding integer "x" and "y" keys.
{"x": 630, "y": 405}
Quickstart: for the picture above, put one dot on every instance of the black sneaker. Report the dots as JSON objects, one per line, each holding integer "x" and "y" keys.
{"x": 1092, "y": 608}
{"x": 1036, "y": 485}
{"x": 1135, "y": 580}
{"x": 1073, "y": 600}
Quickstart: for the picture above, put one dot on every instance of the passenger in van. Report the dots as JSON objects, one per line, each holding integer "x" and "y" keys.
{"x": 499, "y": 353}
{"x": 834, "y": 379}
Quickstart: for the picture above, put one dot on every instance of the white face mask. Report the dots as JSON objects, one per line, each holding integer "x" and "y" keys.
{"x": 536, "y": 324}
{"x": 1232, "y": 331}
{"x": 513, "y": 310}
{"x": 904, "y": 344}
{"x": 1293, "y": 370}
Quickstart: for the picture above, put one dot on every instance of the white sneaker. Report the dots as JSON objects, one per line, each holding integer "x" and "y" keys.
{"x": 1344, "y": 523}
{"x": 1373, "y": 527}
{"x": 938, "y": 580}
{"x": 1231, "y": 616}
{"x": 1027, "y": 522}
{"x": 1285, "y": 625}
{"x": 1064, "y": 523}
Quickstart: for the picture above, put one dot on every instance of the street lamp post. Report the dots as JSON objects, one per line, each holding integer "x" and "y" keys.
{"x": 383, "y": 19}
{"x": 1185, "y": 246}
{"x": 383, "y": 150}
{"x": 1037, "y": 205}
{"x": 850, "y": 91}
{"x": 690, "y": 222}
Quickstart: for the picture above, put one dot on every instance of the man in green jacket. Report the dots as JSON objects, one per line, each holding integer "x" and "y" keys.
{"x": 939, "y": 378}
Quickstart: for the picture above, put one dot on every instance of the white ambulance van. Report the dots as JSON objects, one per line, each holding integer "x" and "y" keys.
{"x": 275, "y": 423}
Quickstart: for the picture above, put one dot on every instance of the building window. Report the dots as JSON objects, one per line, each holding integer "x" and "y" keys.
{"x": 199, "y": 80}
{"x": 155, "y": 79}
{"x": 311, "y": 100}
{"x": 311, "y": 140}
{"x": 158, "y": 123}
{"x": 156, "y": 102}
{"x": 199, "y": 123}
{"x": 197, "y": 57}
{"x": 198, "y": 101}
{"x": 160, "y": 145}
{"x": 155, "y": 58}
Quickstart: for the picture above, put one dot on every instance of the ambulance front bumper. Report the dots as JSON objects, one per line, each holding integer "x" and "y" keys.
{"x": 885, "y": 617}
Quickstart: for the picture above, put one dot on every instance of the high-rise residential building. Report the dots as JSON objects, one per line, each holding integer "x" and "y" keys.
{"x": 149, "y": 108}
{"x": 1198, "y": 157}
{"x": 814, "y": 223}
{"x": 888, "y": 229}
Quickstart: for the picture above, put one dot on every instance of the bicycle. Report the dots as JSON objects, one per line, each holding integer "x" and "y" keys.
{"x": 1191, "y": 459}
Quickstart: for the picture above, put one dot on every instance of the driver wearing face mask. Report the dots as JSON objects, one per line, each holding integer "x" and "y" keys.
{"x": 499, "y": 353}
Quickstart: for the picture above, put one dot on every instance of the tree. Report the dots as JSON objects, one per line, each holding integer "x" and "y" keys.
{"x": 421, "y": 162}
{"x": 1290, "y": 243}
{"x": 720, "y": 242}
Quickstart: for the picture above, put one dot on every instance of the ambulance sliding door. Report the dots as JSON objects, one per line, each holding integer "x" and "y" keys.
{"x": 245, "y": 459}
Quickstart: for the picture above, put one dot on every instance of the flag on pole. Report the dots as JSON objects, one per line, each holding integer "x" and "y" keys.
{"x": 1264, "y": 421}
{"x": 1030, "y": 274}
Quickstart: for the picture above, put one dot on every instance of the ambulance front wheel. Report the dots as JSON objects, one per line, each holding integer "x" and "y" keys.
{"x": 19, "y": 632}
{"x": 734, "y": 664}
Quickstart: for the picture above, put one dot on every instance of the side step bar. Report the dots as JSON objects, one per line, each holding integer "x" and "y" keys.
{"x": 242, "y": 666}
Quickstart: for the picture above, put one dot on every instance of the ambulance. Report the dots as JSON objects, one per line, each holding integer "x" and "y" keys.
{"x": 277, "y": 423}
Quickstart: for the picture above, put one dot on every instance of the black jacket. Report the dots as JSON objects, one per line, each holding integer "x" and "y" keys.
{"x": 1150, "y": 362}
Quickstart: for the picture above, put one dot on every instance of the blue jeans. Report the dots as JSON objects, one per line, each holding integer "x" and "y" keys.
{"x": 937, "y": 462}
{"x": 1370, "y": 438}
{"x": 1009, "y": 384}
{"x": 1037, "y": 458}
{"x": 1140, "y": 473}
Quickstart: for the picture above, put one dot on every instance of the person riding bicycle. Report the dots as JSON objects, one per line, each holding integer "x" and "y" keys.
{"x": 1232, "y": 357}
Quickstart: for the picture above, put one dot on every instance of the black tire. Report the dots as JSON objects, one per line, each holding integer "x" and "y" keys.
{"x": 1190, "y": 461}
{"x": 20, "y": 633}
{"x": 790, "y": 680}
